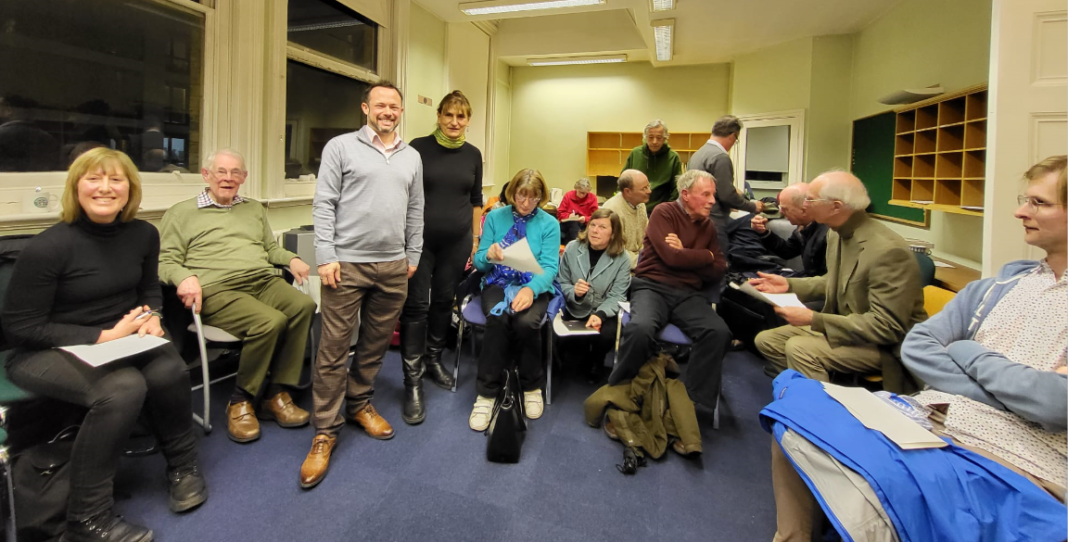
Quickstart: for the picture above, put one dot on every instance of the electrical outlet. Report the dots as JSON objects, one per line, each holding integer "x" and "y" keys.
{"x": 426, "y": 101}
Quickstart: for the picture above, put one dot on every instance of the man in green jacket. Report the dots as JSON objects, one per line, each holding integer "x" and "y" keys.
{"x": 657, "y": 161}
{"x": 220, "y": 252}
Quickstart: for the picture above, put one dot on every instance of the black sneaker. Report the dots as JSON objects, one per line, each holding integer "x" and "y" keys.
{"x": 105, "y": 527}
{"x": 187, "y": 488}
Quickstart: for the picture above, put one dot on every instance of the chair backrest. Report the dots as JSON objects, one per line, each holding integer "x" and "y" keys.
{"x": 935, "y": 298}
{"x": 10, "y": 248}
{"x": 927, "y": 268}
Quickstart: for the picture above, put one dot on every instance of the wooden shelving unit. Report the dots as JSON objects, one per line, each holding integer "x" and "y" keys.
{"x": 940, "y": 153}
{"x": 607, "y": 151}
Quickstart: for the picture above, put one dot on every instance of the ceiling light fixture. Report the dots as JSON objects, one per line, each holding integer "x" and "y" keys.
{"x": 511, "y": 6}
{"x": 661, "y": 5}
{"x": 571, "y": 60}
{"x": 663, "y": 30}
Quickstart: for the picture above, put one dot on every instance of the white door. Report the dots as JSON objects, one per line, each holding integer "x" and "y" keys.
{"x": 1027, "y": 119}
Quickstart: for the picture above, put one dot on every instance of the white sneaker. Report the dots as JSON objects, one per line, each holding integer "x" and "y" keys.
{"x": 480, "y": 415}
{"x": 533, "y": 404}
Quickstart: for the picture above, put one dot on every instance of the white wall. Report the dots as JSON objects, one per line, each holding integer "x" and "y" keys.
{"x": 468, "y": 50}
{"x": 554, "y": 107}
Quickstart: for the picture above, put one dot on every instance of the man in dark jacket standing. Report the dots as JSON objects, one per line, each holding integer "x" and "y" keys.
{"x": 714, "y": 158}
{"x": 677, "y": 271}
{"x": 657, "y": 161}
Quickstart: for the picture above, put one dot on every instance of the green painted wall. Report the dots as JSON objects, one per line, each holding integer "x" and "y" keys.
{"x": 827, "y": 136}
{"x": 773, "y": 79}
{"x": 426, "y": 71}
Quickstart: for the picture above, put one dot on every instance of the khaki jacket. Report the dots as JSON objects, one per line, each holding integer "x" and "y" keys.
{"x": 872, "y": 291}
{"x": 649, "y": 409}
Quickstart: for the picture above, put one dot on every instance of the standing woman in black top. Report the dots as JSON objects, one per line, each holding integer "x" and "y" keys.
{"x": 89, "y": 279}
{"x": 452, "y": 185}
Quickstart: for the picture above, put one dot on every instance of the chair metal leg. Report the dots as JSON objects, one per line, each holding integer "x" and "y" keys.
{"x": 204, "y": 422}
{"x": 715, "y": 414}
{"x": 549, "y": 368}
{"x": 459, "y": 348}
{"x": 9, "y": 495}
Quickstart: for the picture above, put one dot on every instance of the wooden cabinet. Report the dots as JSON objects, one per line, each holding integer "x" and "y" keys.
{"x": 940, "y": 153}
{"x": 606, "y": 152}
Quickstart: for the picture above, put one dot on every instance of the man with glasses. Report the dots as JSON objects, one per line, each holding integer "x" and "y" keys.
{"x": 809, "y": 240}
{"x": 220, "y": 251}
{"x": 872, "y": 294}
{"x": 714, "y": 157}
{"x": 994, "y": 360}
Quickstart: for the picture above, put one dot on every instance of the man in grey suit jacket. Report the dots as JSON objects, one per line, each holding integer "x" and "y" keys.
{"x": 713, "y": 157}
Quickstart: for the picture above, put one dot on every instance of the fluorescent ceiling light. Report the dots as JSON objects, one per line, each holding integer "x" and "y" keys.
{"x": 661, "y": 5}
{"x": 511, "y": 6}
{"x": 663, "y": 36}
{"x": 569, "y": 60}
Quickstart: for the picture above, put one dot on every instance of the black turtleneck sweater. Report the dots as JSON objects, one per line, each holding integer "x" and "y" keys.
{"x": 75, "y": 280}
{"x": 452, "y": 186}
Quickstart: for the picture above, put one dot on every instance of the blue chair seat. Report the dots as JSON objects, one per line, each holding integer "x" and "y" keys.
{"x": 473, "y": 312}
{"x": 670, "y": 334}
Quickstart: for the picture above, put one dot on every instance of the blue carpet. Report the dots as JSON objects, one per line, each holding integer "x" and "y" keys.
{"x": 432, "y": 482}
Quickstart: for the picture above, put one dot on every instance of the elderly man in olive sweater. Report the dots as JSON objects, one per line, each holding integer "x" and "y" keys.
{"x": 678, "y": 268}
{"x": 219, "y": 250}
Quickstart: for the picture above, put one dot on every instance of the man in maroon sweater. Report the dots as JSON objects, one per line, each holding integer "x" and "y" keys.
{"x": 679, "y": 267}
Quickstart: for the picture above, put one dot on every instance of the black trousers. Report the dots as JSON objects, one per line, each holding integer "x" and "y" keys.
{"x": 569, "y": 231}
{"x": 433, "y": 286}
{"x": 598, "y": 346}
{"x": 655, "y": 305}
{"x": 511, "y": 340}
{"x": 114, "y": 394}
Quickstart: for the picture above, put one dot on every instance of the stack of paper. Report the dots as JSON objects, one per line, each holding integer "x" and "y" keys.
{"x": 875, "y": 414}
{"x": 103, "y": 353}
{"x": 564, "y": 328}
{"x": 779, "y": 300}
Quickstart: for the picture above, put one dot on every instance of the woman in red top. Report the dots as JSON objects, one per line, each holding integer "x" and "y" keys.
{"x": 575, "y": 210}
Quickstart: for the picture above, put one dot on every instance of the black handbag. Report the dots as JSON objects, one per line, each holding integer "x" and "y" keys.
{"x": 508, "y": 425}
{"x": 41, "y": 477}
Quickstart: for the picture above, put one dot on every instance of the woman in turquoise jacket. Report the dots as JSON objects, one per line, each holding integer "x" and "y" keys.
{"x": 515, "y": 302}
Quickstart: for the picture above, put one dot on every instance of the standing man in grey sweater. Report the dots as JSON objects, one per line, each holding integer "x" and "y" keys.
{"x": 714, "y": 158}
{"x": 368, "y": 216}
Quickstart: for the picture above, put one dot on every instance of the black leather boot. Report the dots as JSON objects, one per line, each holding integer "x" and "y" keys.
{"x": 105, "y": 527}
{"x": 437, "y": 328}
{"x": 188, "y": 489}
{"x": 413, "y": 344}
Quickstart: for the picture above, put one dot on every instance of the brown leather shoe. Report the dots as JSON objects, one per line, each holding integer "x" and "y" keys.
{"x": 281, "y": 409}
{"x": 318, "y": 461}
{"x": 609, "y": 429}
{"x": 375, "y": 425}
{"x": 241, "y": 422}
{"x": 686, "y": 451}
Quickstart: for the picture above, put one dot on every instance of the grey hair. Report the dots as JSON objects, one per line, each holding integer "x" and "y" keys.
{"x": 656, "y": 124}
{"x": 687, "y": 180}
{"x": 209, "y": 162}
{"x": 852, "y": 195}
{"x": 626, "y": 179}
{"x": 583, "y": 184}
{"x": 726, "y": 125}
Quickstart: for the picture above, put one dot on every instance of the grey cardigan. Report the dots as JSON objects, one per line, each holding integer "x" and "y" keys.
{"x": 609, "y": 281}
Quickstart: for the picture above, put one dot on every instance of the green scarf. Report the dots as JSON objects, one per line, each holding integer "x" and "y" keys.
{"x": 448, "y": 142}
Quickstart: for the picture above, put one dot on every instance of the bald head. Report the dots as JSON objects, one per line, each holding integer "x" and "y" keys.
{"x": 792, "y": 204}
{"x": 634, "y": 185}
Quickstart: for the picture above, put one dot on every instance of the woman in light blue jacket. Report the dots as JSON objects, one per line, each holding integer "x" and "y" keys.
{"x": 595, "y": 277}
{"x": 513, "y": 301}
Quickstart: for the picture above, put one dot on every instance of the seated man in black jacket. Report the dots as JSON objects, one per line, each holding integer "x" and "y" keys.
{"x": 809, "y": 240}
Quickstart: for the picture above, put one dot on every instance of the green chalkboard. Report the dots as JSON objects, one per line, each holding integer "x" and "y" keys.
{"x": 873, "y": 163}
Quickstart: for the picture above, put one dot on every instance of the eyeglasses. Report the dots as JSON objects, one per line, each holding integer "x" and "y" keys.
{"x": 809, "y": 200}
{"x": 527, "y": 199}
{"x": 1033, "y": 204}
{"x": 233, "y": 173}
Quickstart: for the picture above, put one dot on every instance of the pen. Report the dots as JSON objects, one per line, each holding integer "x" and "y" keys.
{"x": 146, "y": 314}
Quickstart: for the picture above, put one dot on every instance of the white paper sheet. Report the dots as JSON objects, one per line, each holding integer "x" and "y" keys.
{"x": 879, "y": 416}
{"x": 561, "y": 328}
{"x": 779, "y": 300}
{"x": 573, "y": 218}
{"x": 104, "y": 353}
{"x": 942, "y": 264}
{"x": 519, "y": 257}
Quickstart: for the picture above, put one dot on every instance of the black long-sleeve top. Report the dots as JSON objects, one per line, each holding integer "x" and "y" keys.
{"x": 452, "y": 185}
{"x": 75, "y": 280}
{"x": 809, "y": 242}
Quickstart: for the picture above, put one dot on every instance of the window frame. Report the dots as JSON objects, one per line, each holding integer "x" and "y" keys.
{"x": 795, "y": 119}
{"x": 161, "y": 190}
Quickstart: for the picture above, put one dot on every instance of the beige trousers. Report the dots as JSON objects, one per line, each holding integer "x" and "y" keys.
{"x": 809, "y": 353}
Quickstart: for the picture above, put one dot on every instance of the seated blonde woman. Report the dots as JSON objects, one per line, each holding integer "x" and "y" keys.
{"x": 515, "y": 302}
{"x": 595, "y": 277}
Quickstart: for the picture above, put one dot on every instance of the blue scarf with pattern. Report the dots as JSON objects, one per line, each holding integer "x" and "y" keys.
{"x": 502, "y": 275}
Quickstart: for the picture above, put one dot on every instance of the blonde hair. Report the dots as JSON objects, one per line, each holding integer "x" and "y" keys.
{"x": 100, "y": 158}
{"x": 1054, "y": 164}
{"x": 527, "y": 180}
{"x": 455, "y": 99}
